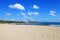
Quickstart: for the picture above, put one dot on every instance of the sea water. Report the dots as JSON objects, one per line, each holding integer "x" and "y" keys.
{"x": 50, "y": 23}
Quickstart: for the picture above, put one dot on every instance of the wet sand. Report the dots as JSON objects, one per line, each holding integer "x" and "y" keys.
{"x": 28, "y": 32}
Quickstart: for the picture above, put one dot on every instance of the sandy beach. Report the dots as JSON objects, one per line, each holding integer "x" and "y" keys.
{"x": 28, "y": 32}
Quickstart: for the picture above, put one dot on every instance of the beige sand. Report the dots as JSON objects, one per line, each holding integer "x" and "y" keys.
{"x": 27, "y": 32}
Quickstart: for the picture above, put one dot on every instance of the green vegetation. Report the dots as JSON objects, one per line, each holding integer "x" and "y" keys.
{"x": 18, "y": 22}
{"x": 15, "y": 22}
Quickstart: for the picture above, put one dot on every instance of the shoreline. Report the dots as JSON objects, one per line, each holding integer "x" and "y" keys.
{"x": 31, "y": 25}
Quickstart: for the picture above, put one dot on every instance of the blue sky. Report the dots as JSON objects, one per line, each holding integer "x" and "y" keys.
{"x": 30, "y": 10}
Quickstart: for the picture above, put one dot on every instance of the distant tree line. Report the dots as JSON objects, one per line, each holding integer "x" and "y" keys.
{"x": 3, "y": 21}
{"x": 19, "y": 22}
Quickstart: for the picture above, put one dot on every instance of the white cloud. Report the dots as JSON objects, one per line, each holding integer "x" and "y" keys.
{"x": 8, "y": 14}
{"x": 31, "y": 19}
{"x": 29, "y": 13}
{"x": 12, "y": 19}
{"x": 52, "y": 13}
{"x": 32, "y": 13}
{"x": 23, "y": 13}
{"x": 25, "y": 17}
{"x": 35, "y": 7}
{"x": 17, "y": 6}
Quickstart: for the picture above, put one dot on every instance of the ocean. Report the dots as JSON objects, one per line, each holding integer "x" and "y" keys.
{"x": 48, "y": 23}
{"x": 44, "y": 24}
